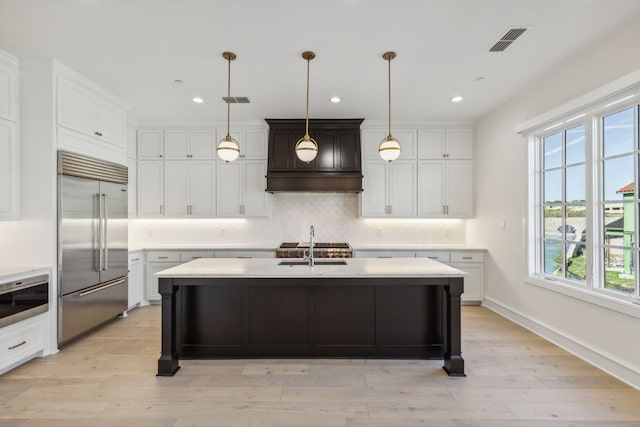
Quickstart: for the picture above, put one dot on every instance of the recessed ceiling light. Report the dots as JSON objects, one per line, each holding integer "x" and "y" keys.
{"x": 198, "y": 100}
{"x": 335, "y": 99}
{"x": 456, "y": 99}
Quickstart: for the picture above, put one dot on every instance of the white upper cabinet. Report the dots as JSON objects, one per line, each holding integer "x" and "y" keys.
{"x": 189, "y": 144}
{"x": 8, "y": 87}
{"x": 189, "y": 189}
{"x": 150, "y": 189}
{"x": 132, "y": 188}
{"x": 84, "y": 109}
{"x": 371, "y": 138}
{"x": 459, "y": 188}
{"x": 241, "y": 189}
{"x": 253, "y": 143}
{"x": 445, "y": 143}
{"x": 445, "y": 188}
{"x": 150, "y": 145}
{"x": 389, "y": 189}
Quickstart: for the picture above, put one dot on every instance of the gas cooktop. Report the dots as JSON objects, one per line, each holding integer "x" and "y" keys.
{"x": 318, "y": 245}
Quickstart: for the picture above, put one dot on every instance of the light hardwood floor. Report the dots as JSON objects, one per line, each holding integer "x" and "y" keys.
{"x": 514, "y": 378}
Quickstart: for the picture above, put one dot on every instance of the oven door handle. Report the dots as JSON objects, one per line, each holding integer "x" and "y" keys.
{"x": 101, "y": 288}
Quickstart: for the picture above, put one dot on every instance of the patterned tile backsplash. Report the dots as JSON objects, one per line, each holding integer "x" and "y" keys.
{"x": 335, "y": 217}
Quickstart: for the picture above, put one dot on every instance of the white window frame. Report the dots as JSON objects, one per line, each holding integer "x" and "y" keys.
{"x": 588, "y": 110}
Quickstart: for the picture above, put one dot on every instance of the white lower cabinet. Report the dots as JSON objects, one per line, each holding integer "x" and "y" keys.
{"x": 245, "y": 254}
{"x": 136, "y": 279}
{"x": 22, "y": 341}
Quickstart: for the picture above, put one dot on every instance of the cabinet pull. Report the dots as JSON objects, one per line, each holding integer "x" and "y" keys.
{"x": 467, "y": 257}
{"x": 432, "y": 257}
{"x": 160, "y": 155}
{"x": 162, "y": 209}
{"x": 163, "y": 257}
{"x": 196, "y": 257}
{"x": 242, "y": 210}
{"x": 17, "y": 345}
{"x": 98, "y": 133}
{"x": 135, "y": 259}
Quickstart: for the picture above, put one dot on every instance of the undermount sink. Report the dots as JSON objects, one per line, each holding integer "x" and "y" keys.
{"x": 317, "y": 262}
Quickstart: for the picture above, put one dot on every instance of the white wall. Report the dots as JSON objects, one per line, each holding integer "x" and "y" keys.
{"x": 602, "y": 336}
{"x": 334, "y": 216}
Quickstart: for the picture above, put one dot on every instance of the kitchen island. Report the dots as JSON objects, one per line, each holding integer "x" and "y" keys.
{"x": 364, "y": 308}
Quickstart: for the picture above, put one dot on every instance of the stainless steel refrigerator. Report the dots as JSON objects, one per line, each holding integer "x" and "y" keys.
{"x": 92, "y": 243}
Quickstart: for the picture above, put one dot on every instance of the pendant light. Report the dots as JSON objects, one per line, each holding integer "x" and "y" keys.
{"x": 228, "y": 148}
{"x": 389, "y": 148}
{"x": 307, "y": 147}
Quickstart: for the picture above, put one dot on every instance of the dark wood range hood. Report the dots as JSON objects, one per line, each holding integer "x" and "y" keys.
{"x": 337, "y": 167}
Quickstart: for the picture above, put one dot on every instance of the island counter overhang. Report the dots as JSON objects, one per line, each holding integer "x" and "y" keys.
{"x": 370, "y": 307}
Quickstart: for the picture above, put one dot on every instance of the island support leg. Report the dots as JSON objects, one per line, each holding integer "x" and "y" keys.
{"x": 168, "y": 362}
{"x": 453, "y": 361}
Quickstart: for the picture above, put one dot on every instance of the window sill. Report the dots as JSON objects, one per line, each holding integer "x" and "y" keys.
{"x": 624, "y": 305}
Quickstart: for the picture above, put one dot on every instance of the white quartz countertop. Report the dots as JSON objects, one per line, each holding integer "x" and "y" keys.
{"x": 9, "y": 274}
{"x": 207, "y": 246}
{"x": 272, "y": 247}
{"x": 414, "y": 247}
{"x": 355, "y": 267}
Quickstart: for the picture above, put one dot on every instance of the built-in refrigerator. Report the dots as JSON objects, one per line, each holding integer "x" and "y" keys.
{"x": 92, "y": 243}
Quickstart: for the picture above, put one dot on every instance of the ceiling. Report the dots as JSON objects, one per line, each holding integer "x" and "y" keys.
{"x": 137, "y": 48}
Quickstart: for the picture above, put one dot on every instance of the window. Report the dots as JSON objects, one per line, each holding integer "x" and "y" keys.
{"x": 584, "y": 199}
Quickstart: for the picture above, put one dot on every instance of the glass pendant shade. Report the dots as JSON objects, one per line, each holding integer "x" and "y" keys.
{"x": 228, "y": 149}
{"x": 306, "y": 148}
{"x": 389, "y": 148}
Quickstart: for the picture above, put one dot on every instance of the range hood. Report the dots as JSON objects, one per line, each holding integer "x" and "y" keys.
{"x": 336, "y": 168}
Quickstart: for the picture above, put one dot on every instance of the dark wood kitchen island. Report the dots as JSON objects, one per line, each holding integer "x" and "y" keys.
{"x": 256, "y": 308}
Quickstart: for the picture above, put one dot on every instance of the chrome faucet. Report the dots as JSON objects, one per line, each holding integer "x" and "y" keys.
{"x": 311, "y": 236}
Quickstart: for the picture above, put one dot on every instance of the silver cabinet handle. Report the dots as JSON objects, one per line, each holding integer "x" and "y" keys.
{"x": 101, "y": 288}
{"x": 161, "y": 209}
{"x": 98, "y": 133}
{"x": 467, "y": 257}
{"x": 163, "y": 257}
{"x": 17, "y": 345}
{"x": 433, "y": 257}
{"x": 135, "y": 259}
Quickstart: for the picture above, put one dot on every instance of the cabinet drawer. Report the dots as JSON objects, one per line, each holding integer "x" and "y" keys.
{"x": 21, "y": 342}
{"x": 163, "y": 256}
{"x": 439, "y": 256}
{"x": 385, "y": 254}
{"x": 135, "y": 258}
{"x": 467, "y": 257}
{"x": 191, "y": 255}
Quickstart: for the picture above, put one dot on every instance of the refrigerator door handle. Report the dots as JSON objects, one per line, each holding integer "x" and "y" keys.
{"x": 100, "y": 241}
{"x": 101, "y": 287}
{"x": 106, "y": 233}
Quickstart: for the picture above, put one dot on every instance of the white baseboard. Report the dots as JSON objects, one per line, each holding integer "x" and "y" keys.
{"x": 607, "y": 362}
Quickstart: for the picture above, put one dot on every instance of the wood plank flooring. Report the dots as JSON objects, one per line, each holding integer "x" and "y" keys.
{"x": 514, "y": 378}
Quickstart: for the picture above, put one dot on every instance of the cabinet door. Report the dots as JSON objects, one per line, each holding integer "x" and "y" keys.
{"x": 459, "y": 143}
{"x": 8, "y": 91}
{"x": 132, "y": 187}
{"x": 152, "y": 281}
{"x": 176, "y": 189}
{"x": 473, "y": 282}
{"x": 132, "y": 143}
{"x": 431, "y": 188}
{"x": 402, "y": 188}
{"x": 431, "y": 143}
{"x": 256, "y": 199}
{"x": 176, "y": 144}
{"x": 407, "y": 139}
{"x": 459, "y": 188}
{"x": 112, "y": 123}
{"x": 202, "y": 188}
{"x": 371, "y": 139}
{"x": 203, "y": 144}
{"x": 150, "y": 144}
{"x": 8, "y": 170}
{"x": 229, "y": 189}
{"x": 150, "y": 193}
{"x": 254, "y": 144}
{"x": 76, "y": 107}
{"x": 136, "y": 285}
{"x": 374, "y": 197}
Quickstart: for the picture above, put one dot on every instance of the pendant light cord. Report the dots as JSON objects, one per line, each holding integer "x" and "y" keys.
{"x": 389, "y": 86}
{"x": 306, "y": 129}
{"x": 228, "y": 98}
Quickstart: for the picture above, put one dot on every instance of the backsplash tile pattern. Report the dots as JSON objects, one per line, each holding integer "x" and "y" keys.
{"x": 334, "y": 215}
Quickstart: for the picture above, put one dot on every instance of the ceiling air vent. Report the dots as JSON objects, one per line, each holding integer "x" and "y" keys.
{"x": 236, "y": 100}
{"x": 507, "y": 39}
